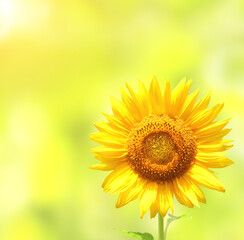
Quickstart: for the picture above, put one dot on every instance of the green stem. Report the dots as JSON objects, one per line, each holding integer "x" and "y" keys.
{"x": 161, "y": 235}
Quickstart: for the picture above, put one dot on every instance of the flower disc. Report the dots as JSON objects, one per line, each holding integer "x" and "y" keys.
{"x": 161, "y": 148}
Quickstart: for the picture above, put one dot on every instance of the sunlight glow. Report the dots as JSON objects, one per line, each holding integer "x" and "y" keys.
{"x": 21, "y": 15}
{"x": 7, "y": 13}
{"x": 7, "y": 9}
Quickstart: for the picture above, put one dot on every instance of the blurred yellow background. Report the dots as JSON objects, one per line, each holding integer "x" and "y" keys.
{"x": 59, "y": 63}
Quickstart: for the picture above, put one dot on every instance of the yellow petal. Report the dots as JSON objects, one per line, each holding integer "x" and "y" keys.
{"x": 115, "y": 123}
{"x": 121, "y": 112}
{"x": 213, "y": 160}
{"x": 106, "y": 152}
{"x": 109, "y": 159}
{"x": 211, "y": 129}
{"x": 204, "y": 117}
{"x": 126, "y": 99}
{"x": 179, "y": 96}
{"x": 108, "y": 140}
{"x": 132, "y": 105}
{"x": 156, "y": 98}
{"x": 105, "y": 127}
{"x": 214, "y": 147}
{"x": 205, "y": 177}
{"x": 199, "y": 106}
{"x": 215, "y": 137}
{"x": 165, "y": 198}
{"x": 188, "y": 105}
{"x": 196, "y": 189}
{"x": 135, "y": 99}
{"x": 132, "y": 193}
{"x": 181, "y": 197}
{"x": 120, "y": 179}
{"x": 148, "y": 197}
{"x": 185, "y": 187}
{"x": 214, "y": 142}
{"x": 167, "y": 97}
{"x": 105, "y": 166}
{"x": 144, "y": 99}
{"x": 153, "y": 209}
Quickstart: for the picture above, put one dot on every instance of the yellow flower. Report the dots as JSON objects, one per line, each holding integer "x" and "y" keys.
{"x": 160, "y": 145}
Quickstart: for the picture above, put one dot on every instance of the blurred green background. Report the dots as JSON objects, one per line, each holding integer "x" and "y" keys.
{"x": 59, "y": 63}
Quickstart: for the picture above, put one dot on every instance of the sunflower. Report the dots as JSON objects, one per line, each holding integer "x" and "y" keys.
{"x": 159, "y": 145}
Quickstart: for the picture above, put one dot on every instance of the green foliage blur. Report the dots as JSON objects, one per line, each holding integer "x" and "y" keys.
{"x": 59, "y": 63}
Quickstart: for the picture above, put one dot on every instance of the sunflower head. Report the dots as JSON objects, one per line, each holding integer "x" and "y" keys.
{"x": 159, "y": 145}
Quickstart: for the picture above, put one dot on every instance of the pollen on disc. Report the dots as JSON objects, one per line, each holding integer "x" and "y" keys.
{"x": 159, "y": 147}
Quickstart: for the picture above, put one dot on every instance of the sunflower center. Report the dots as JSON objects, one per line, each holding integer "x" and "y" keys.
{"x": 161, "y": 148}
{"x": 158, "y": 147}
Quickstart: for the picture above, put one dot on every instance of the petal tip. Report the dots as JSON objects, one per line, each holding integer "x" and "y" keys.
{"x": 142, "y": 215}
{"x": 94, "y": 167}
{"x": 154, "y": 78}
{"x": 92, "y": 150}
{"x": 183, "y": 79}
{"x": 189, "y": 82}
{"x": 92, "y": 135}
{"x": 118, "y": 204}
{"x": 222, "y": 189}
{"x": 230, "y": 162}
{"x": 127, "y": 85}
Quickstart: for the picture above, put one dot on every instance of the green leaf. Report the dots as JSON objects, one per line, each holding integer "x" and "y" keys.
{"x": 173, "y": 218}
{"x": 137, "y": 235}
